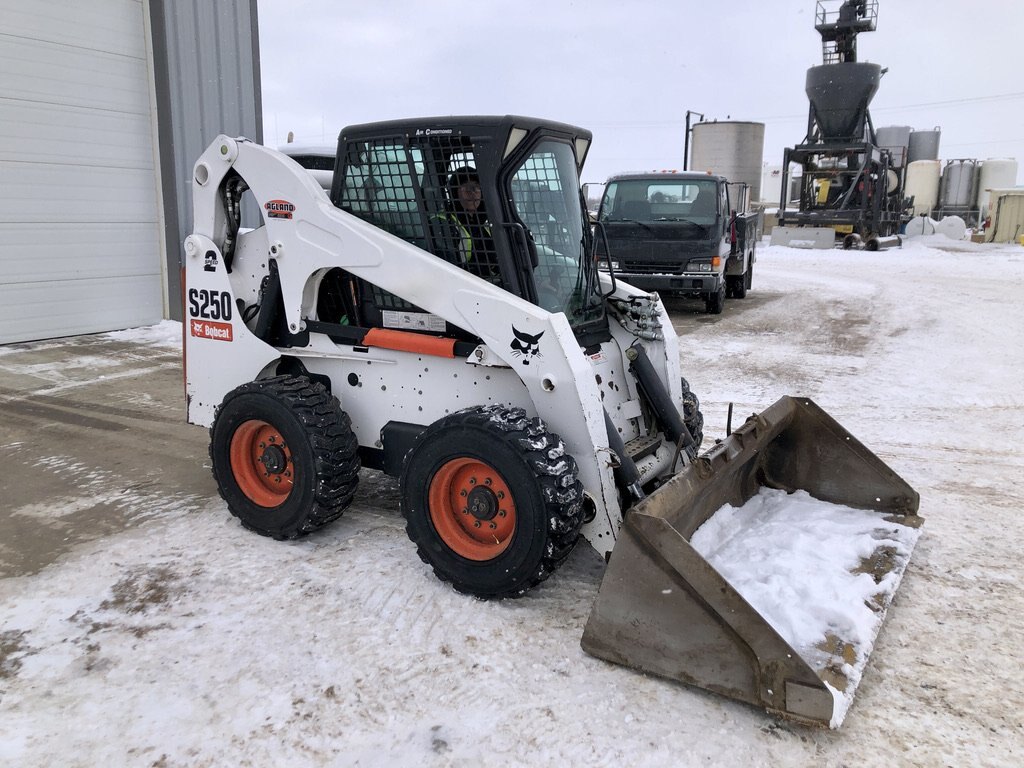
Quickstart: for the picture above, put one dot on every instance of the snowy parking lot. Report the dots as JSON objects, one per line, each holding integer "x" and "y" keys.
{"x": 140, "y": 625}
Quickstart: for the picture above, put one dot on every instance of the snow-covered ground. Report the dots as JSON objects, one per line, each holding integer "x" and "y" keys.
{"x": 186, "y": 640}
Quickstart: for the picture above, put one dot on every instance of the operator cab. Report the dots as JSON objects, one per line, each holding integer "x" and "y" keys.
{"x": 528, "y": 234}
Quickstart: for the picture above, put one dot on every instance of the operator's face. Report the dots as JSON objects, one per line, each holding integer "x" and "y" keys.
{"x": 469, "y": 196}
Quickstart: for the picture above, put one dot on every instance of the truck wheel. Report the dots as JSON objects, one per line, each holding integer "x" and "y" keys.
{"x": 692, "y": 418}
{"x": 748, "y": 278}
{"x": 715, "y": 302}
{"x": 284, "y": 456}
{"x": 739, "y": 286}
{"x": 491, "y": 500}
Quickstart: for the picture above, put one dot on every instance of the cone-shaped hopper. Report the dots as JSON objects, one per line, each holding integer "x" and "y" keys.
{"x": 840, "y": 94}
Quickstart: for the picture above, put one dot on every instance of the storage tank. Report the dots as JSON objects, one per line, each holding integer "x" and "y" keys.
{"x": 995, "y": 173}
{"x": 895, "y": 138}
{"x": 957, "y": 190}
{"x": 952, "y": 227}
{"x": 924, "y": 145}
{"x": 920, "y": 225}
{"x": 923, "y": 183}
{"x": 731, "y": 148}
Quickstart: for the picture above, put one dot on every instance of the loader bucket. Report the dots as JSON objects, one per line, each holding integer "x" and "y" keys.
{"x": 664, "y": 608}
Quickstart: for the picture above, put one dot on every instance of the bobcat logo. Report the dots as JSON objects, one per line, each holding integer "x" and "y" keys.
{"x": 526, "y": 346}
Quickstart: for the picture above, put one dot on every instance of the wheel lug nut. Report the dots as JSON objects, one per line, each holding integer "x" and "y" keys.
{"x": 472, "y": 481}
{"x": 500, "y": 494}
{"x": 501, "y": 513}
{"x": 494, "y": 526}
{"x": 463, "y": 492}
{"x": 487, "y": 481}
{"x": 476, "y": 523}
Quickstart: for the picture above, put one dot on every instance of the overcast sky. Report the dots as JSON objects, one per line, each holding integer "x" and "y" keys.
{"x": 629, "y": 70}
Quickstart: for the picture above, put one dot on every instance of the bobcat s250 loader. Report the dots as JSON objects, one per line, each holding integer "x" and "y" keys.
{"x": 440, "y": 316}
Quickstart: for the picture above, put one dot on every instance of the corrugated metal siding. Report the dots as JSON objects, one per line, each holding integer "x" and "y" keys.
{"x": 79, "y": 222}
{"x": 1008, "y": 218}
{"x": 206, "y": 60}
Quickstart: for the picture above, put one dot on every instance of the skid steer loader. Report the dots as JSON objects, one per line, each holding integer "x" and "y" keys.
{"x": 522, "y": 396}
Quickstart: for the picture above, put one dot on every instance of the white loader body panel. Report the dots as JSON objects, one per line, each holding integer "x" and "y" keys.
{"x": 306, "y": 235}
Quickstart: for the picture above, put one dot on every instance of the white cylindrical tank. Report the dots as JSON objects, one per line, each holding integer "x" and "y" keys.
{"x": 895, "y": 138}
{"x": 923, "y": 183}
{"x": 995, "y": 173}
{"x": 952, "y": 227}
{"x": 957, "y": 188}
{"x": 924, "y": 145}
{"x": 920, "y": 225}
{"x": 730, "y": 148}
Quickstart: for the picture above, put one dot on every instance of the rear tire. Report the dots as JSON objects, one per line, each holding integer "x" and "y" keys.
{"x": 284, "y": 456}
{"x": 491, "y": 500}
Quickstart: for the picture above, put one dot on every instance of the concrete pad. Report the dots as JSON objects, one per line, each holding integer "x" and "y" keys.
{"x": 93, "y": 441}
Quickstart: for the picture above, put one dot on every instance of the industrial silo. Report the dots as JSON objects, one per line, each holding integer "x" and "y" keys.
{"x": 995, "y": 173}
{"x": 957, "y": 190}
{"x": 924, "y": 145}
{"x": 731, "y": 148}
{"x": 895, "y": 138}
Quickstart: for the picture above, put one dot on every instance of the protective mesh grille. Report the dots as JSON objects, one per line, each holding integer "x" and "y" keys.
{"x": 410, "y": 187}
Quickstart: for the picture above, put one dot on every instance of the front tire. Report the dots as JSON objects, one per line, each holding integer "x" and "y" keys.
{"x": 692, "y": 418}
{"x": 739, "y": 285}
{"x": 491, "y": 500}
{"x": 284, "y": 456}
{"x": 715, "y": 302}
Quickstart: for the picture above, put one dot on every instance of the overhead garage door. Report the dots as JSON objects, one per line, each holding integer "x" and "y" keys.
{"x": 79, "y": 212}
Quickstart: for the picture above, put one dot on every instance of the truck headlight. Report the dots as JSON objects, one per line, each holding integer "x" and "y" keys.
{"x": 698, "y": 266}
{"x": 614, "y": 264}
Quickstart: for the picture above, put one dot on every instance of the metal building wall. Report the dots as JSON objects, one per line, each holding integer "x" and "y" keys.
{"x": 207, "y": 72}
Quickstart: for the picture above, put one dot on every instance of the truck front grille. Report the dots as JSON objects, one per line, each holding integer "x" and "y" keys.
{"x": 652, "y": 267}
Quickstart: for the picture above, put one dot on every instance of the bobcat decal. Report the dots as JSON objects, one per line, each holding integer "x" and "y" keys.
{"x": 526, "y": 346}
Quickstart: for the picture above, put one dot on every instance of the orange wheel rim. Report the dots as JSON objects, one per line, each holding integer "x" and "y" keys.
{"x": 472, "y": 509}
{"x": 262, "y": 463}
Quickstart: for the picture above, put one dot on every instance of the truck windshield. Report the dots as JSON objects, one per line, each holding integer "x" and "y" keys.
{"x": 646, "y": 200}
{"x": 546, "y": 197}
